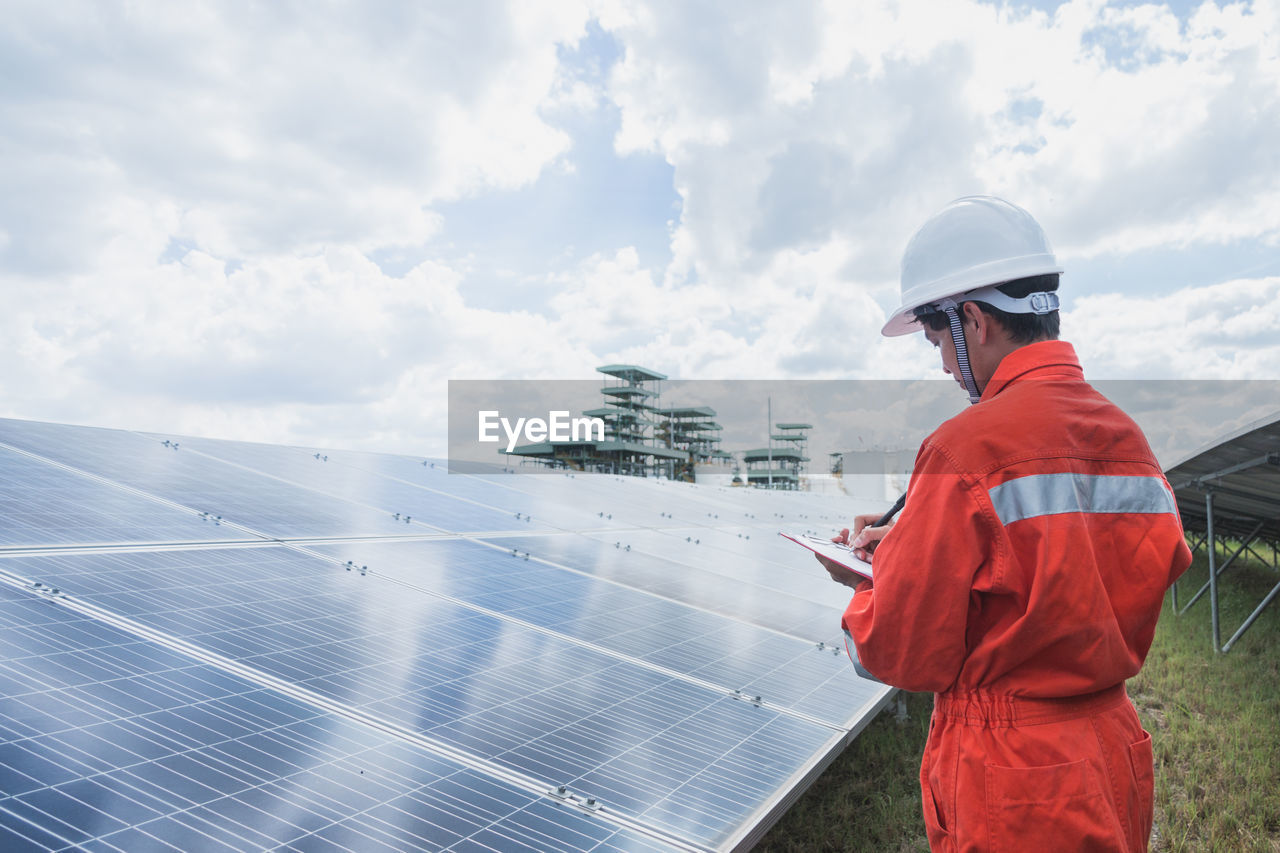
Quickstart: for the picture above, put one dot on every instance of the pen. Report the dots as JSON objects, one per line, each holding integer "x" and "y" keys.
{"x": 886, "y": 518}
{"x": 893, "y": 510}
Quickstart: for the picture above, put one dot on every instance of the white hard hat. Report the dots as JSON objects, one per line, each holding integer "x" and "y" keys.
{"x": 974, "y": 241}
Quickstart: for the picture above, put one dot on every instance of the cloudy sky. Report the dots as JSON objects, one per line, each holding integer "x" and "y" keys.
{"x": 295, "y": 222}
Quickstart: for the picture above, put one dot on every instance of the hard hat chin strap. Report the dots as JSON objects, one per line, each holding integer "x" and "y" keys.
{"x": 962, "y": 350}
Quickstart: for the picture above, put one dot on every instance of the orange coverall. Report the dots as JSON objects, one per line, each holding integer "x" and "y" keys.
{"x": 1022, "y": 584}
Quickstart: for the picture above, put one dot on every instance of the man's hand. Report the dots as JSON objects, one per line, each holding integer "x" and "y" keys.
{"x": 839, "y": 573}
{"x": 864, "y": 538}
{"x": 863, "y": 542}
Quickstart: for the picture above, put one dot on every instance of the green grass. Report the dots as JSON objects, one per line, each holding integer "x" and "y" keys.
{"x": 1214, "y": 720}
{"x": 869, "y": 798}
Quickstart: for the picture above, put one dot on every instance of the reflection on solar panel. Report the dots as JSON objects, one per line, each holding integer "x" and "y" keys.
{"x": 214, "y": 644}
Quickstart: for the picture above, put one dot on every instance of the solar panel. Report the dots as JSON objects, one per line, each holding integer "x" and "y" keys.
{"x": 497, "y": 491}
{"x": 42, "y": 504}
{"x": 1241, "y": 470}
{"x": 407, "y": 488}
{"x": 235, "y": 495}
{"x": 1231, "y": 489}
{"x": 792, "y": 672}
{"x": 117, "y": 743}
{"x": 451, "y": 672}
{"x": 745, "y": 556}
{"x": 709, "y": 582}
{"x": 536, "y": 680}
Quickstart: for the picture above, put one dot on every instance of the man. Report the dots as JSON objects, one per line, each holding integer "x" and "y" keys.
{"x": 1024, "y": 577}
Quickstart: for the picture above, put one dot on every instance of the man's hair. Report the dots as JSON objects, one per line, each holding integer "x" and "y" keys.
{"x": 1022, "y": 328}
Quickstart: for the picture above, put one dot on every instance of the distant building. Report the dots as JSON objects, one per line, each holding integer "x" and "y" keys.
{"x": 780, "y": 467}
{"x": 639, "y": 438}
{"x": 875, "y": 474}
{"x": 693, "y": 429}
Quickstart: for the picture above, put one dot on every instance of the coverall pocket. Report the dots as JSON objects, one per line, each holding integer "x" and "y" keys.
{"x": 1142, "y": 760}
{"x": 1049, "y": 808}
{"x": 935, "y": 824}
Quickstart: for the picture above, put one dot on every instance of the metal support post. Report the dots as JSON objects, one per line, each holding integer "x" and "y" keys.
{"x": 770, "y": 445}
{"x": 1256, "y": 555}
{"x": 1224, "y": 566}
{"x": 900, "y": 710}
{"x": 1213, "y": 569}
{"x": 1252, "y": 616}
{"x": 1257, "y": 611}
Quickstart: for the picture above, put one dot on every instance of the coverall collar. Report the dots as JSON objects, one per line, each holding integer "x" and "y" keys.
{"x": 1048, "y": 358}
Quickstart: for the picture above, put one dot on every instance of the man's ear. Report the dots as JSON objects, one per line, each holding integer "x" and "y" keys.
{"x": 978, "y": 320}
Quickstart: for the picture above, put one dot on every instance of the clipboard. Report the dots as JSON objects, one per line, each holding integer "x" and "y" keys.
{"x": 841, "y": 555}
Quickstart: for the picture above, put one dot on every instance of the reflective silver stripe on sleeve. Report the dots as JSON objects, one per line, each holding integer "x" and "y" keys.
{"x": 852, "y": 651}
{"x": 1053, "y": 494}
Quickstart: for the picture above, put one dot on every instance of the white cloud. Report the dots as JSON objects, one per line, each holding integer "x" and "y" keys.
{"x": 840, "y": 128}
{"x": 268, "y": 128}
{"x": 191, "y": 196}
{"x": 1120, "y": 128}
{"x": 318, "y": 349}
{"x": 1229, "y": 330}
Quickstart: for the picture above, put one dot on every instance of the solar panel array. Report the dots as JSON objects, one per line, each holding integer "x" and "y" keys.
{"x": 211, "y": 644}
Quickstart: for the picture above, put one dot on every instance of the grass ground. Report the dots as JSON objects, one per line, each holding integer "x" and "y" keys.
{"x": 1214, "y": 720}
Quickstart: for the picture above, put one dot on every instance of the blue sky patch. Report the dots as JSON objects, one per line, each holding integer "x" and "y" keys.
{"x": 594, "y": 201}
{"x": 1165, "y": 270}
